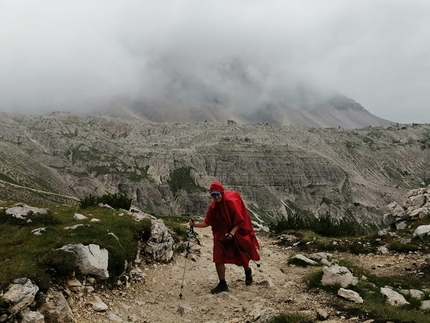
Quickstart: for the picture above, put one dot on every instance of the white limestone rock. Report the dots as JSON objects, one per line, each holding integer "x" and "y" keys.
{"x": 350, "y": 295}
{"x": 79, "y": 217}
{"x": 20, "y": 295}
{"x": 338, "y": 275}
{"x": 393, "y": 298}
{"x": 421, "y": 230}
{"x": 90, "y": 259}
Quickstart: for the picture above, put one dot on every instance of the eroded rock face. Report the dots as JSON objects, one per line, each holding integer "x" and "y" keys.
{"x": 167, "y": 168}
{"x": 20, "y": 294}
{"x": 160, "y": 245}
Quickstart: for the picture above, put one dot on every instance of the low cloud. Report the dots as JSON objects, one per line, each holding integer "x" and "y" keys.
{"x": 64, "y": 55}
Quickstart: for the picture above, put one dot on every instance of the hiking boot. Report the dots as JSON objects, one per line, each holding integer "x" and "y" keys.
{"x": 248, "y": 276}
{"x": 221, "y": 287}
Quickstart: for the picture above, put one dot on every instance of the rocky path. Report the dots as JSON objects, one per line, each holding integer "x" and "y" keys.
{"x": 276, "y": 286}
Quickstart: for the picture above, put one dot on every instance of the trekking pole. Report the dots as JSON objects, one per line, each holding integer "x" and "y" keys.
{"x": 187, "y": 251}
{"x": 241, "y": 249}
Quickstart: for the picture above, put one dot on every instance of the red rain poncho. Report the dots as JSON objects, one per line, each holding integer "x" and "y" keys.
{"x": 223, "y": 217}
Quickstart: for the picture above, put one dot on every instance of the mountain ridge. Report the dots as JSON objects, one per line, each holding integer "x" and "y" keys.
{"x": 167, "y": 168}
{"x": 337, "y": 111}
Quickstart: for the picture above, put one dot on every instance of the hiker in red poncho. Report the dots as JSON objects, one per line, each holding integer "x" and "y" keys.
{"x": 234, "y": 238}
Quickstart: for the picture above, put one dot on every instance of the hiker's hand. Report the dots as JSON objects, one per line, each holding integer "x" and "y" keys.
{"x": 191, "y": 223}
{"x": 229, "y": 236}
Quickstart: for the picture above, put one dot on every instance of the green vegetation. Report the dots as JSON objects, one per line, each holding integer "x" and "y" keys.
{"x": 24, "y": 254}
{"x": 5, "y": 178}
{"x": 291, "y": 318}
{"x": 117, "y": 201}
{"x": 325, "y": 225}
{"x": 181, "y": 179}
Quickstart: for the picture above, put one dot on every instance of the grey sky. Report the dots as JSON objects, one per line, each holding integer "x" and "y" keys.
{"x": 67, "y": 55}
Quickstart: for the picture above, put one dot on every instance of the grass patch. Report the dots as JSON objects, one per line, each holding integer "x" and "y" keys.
{"x": 23, "y": 254}
{"x": 291, "y": 318}
{"x": 313, "y": 279}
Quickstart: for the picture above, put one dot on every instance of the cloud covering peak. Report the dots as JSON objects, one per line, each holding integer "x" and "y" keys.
{"x": 71, "y": 55}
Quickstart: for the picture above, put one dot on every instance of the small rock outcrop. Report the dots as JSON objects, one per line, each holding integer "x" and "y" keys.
{"x": 20, "y": 295}
{"x": 90, "y": 259}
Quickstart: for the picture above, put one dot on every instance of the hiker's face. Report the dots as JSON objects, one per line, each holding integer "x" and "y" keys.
{"x": 217, "y": 197}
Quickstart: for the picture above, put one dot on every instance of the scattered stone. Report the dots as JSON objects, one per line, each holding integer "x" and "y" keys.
{"x": 383, "y": 250}
{"x": 38, "y": 231}
{"x": 107, "y": 206}
{"x": 393, "y": 297}
{"x": 322, "y": 314}
{"x": 318, "y": 256}
{"x": 79, "y": 217}
{"x": 99, "y": 305}
{"x": 350, "y": 295}
{"x": 305, "y": 260}
{"x": 74, "y": 283}
{"x": 73, "y": 227}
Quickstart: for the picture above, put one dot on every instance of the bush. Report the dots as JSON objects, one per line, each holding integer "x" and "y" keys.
{"x": 117, "y": 201}
{"x": 325, "y": 225}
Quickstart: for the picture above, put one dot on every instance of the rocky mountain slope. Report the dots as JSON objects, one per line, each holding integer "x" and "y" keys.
{"x": 336, "y": 111}
{"x": 167, "y": 168}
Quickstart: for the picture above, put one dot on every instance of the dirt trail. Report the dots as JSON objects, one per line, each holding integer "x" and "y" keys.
{"x": 276, "y": 286}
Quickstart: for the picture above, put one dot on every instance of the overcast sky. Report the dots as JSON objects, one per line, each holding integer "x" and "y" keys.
{"x": 66, "y": 55}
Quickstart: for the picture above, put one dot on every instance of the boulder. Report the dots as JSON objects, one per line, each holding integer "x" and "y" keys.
{"x": 90, "y": 259}
{"x": 20, "y": 295}
{"x": 350, "y": 295}
{"x": 421, "y": 230}
{"x": 160, "y": 244}
{"x": 21, "y": 211}
{"x": 393, "y": 298}
{"x": 79, "y": 217}
{"x": 338, "y": 275}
